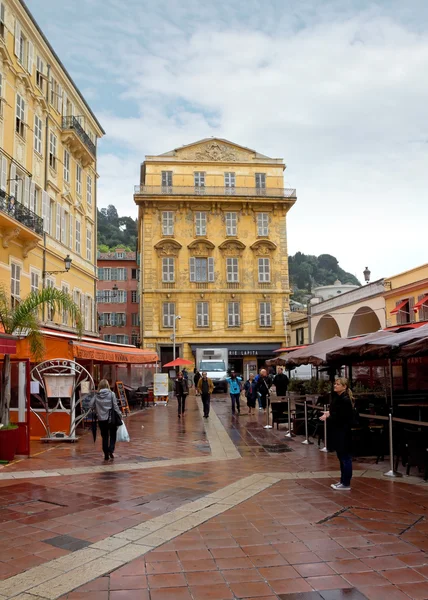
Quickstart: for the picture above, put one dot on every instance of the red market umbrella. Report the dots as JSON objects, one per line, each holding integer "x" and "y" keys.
{"x": 179, "y": 362}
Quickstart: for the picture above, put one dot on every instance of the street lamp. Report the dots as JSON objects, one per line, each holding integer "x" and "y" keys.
{"x": 173, "y": 335}
{"x": 67, "y": 265}
{"x": 367, "y": 274}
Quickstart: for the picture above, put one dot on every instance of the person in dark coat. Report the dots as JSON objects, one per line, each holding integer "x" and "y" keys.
{"x": 263, "y": 388}
{"x": 205, "y": 387}
{"x": 340, "y": 418}
{"x": 250, "y": 387}
{"x": 196, "y": 378}
{"x": 104, "y": 401}
{"x": 280, "y": 381}
{"x": 181, "y": 391}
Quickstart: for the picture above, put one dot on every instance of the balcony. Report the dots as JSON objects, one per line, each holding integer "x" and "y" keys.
{"x": 79, "y": 142}
{"x": 12, "y": 213}
{"x": 161, "y": 190}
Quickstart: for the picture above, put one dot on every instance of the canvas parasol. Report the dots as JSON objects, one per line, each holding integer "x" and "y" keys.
{"x": 179, "y": 362}
{"x": 314, "y": 354}
{"x": 351, "y": 351}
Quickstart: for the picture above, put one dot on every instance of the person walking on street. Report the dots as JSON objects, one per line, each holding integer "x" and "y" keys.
{"x": 259, "y": 399}
{"x": 251, "y": 393}
{"x": 105, "y": 403}
{"x": 263, "y": 388}
{"x": 340, "y": 418}
{"x": 181, "y": 391}
{"x": 205, "y": 387}
{"x": 234, "y": 391}
{"x": 281, "y": 381}
{"x": 196, "y": 377}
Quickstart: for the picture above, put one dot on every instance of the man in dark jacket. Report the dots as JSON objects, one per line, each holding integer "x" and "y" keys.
{"x": 280, "y": 381}
{"x": 206, "y": 387}
{"x": 263, "y": 386}
{"x": 181, "y": 391}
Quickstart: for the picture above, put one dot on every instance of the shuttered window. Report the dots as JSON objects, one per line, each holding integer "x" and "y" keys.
{"x": 168, "y": 314}
{"x": 265, "y": 314}
{"x": 201, "y": 269}
{"x": 264, "y": 270}
{"x": 202, "y": 319}
{"x": 263, "y": 224}
{"x": 260, "y": 183}
{"x": 166, "y": 182}
{"x": 168, "y": 270}
{"x": 231, "y": 223}
{"x": 229, "y": 183}
{"x": 34, "y": 285}
{"x": 78, "y": 236}
{"x": 20, "y": 116}
{"x": 233, "y": 314}
{"x": 167, "y": 222}
{"x": 66, "y": 166}
{"x": 201, "y": 223}
{"x": 15, "y": 280}
{"x": 38, "y": 134}
{"x": 232, "y": 270}
{"x": 89, "y": 191}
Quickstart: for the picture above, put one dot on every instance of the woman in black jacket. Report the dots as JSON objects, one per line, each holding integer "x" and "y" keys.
{"x": 340, "y": 418}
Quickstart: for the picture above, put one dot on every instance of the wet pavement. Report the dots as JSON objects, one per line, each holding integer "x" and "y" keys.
{"x": 195, "y": 509}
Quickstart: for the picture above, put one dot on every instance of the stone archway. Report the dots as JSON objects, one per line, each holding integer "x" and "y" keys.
{"x": 326, "y": 328}
{"x": 365, "y": 320}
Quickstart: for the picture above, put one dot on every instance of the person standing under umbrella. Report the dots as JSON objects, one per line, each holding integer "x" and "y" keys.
{"x": 181, "y": 391}
{"x": 105, "y": 403}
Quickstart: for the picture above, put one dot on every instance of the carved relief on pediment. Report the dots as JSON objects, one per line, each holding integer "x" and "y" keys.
{"x": 214, "y": 151}
{"x": 168, "y": 248}
{"x": 263, "y": 247}
{"x": 233, "y": 248}
{"x": 201, "y": 248}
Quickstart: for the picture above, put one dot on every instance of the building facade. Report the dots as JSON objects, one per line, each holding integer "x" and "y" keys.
{"x": 213, "y": 244}
{"x": 118, "y": 297}
{"x": 299, "y": 326}
{"x": 48, "y": 175}
{"x": 406, "y": 297}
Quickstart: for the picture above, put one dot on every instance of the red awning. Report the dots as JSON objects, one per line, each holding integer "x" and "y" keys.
{"x": 113, "y": 353}
{"x": 421, "y": 302}
{"x": 289, "y": 349}
{"x": 399, "y": 307}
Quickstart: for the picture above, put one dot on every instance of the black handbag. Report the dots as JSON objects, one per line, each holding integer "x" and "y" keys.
{"x": 114, "y": 418}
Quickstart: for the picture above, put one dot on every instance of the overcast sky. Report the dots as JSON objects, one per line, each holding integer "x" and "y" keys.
{"x": 339, "y": 89}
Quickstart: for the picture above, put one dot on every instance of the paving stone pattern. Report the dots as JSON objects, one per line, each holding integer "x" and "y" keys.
{"x": 241, "y": 522}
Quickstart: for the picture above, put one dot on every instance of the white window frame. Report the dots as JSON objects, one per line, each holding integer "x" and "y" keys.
{"x": 262, "y": 224}
{"x": 78, "y": 239}
{"x": 78, "y": 179}
{"x": 15, "y": 280}
{"x": 199, "y": 181}
{"x": 167, "y": 222}
{"x": 58, "y": 222}
{"x": 88, "y": 242}
{"x": 38, "y": 135}
{"x": 53, "y": 144}
{"x": 20, "y": 116}
{"x": 89, "y": 191}
{"x": 121, "y": 274}
{"x": 265, "y": 314}
{"x": 34, "y": 280}
{"x": 264, "y": 270}
{"x": 40, "y": 70}
{"x": 231, "y": 223}
{"x": 168, "y": 270}
{"x": 229, "y": 182}
{"x": 200, "y": 223}
{"x": 232, "y": 270}
{"x": 202, "y": 314}
{"x": 66, "y": 166}
{"x": 168, "y": 315}
{"x": 233, "y": 314}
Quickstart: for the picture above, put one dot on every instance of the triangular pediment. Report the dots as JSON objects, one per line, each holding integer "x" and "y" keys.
{"x": 214, "y": 149}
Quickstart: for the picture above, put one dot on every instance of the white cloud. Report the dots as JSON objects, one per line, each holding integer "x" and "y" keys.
{"x": 339, "y": 92}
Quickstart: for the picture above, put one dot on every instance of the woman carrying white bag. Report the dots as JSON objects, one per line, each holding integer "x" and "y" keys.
{"x": 122, "y": 434}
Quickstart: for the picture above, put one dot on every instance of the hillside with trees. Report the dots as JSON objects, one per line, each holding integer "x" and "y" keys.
{"x": 115, "y": 231}
{"x": 308, "y": 271}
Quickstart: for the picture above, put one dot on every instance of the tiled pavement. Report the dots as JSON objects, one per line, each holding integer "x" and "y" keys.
{"x": 224, "y": 519}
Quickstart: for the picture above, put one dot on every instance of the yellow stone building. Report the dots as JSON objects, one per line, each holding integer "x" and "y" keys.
{"x": 213, "y": 250}
{"x": 406, "y": 297}
{"x": 48, "y": 170}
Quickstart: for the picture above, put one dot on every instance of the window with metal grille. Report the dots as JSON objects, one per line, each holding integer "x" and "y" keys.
{"x": 202, "y": 319}
{"x": 232, "y": 270}
{"x": 167, "y": 222}
{"x": 264, "y": 270}
{"x": 134, "y": 296}
{"x": 52, "y": 150}
{"x": 265, "y": 314}
{"x": 38, "y": 135}
{"x": 20, "y": 116}
{"x": 168, "y": 314}
{"x": 168, "y": 271}
{"x": 233, "y": 314}
{"x": 201, "y": 223}
{"x": 263, "y": 224}
{"x": 231, "y": 223}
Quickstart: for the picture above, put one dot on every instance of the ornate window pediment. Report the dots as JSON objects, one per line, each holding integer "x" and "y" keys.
{"x": 232, "y": 248}
{"x": 168, "y": 248}
{"x": 201, "y": 248}
{"x": 263, "y": 247}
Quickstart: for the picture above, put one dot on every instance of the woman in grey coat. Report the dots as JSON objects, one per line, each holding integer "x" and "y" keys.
{"x": 104, "y": 401}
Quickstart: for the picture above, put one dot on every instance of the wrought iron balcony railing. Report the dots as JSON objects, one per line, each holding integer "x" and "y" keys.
{"x": 20, "y": 213}
{"x": 73, "y": 123}
{"x": 173, "y": 190}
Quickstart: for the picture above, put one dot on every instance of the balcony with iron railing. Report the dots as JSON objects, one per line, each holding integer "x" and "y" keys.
{"x": 11, "y": 210}
{"x": 78, "y": 140}
{"x": 173, "y": 190}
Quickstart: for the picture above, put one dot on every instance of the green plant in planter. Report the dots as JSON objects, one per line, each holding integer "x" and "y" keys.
{"x": 23, "y": 318}
{"x": 311, "y": 386}
{"x": 324, "y": 387}
{"x": 296, "y": 385}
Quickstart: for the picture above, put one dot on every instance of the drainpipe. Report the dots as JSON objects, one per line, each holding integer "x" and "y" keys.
{"x": 46, "y": 181}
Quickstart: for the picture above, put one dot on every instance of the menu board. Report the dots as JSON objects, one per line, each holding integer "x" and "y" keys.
{"x": 121, "y": 396}
{"x": 160, "y": 384}
{"x": 59, "y": 386}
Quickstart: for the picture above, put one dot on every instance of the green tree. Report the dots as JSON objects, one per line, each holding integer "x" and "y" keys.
{"x": 24, "y": 318}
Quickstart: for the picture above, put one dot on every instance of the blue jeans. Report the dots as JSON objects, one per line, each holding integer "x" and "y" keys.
{"x": 235, "y": 398}
{"x": 345, "y": 460}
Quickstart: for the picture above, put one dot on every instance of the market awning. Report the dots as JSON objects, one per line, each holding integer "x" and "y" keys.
{"x": 399, "y": 307}
{"x": 420, "y": 303}
{"x": 113, "y": 353}
{"x": 314, "y": 354}
{"x": 289, "y": 349}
